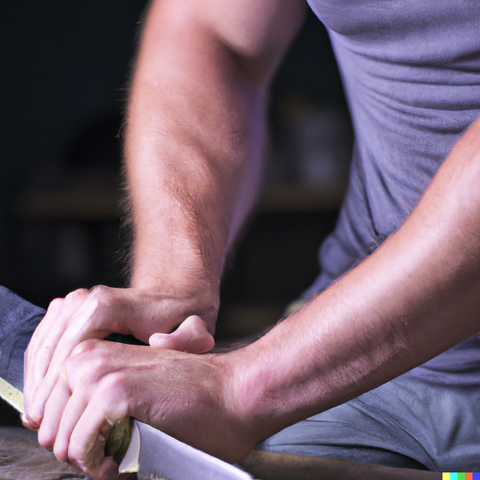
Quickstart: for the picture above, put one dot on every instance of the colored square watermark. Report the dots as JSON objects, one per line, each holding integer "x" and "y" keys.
{"x": 461, "y": 476}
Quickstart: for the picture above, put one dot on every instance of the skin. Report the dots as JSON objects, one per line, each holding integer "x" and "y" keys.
{"x": 194, "y": 144}
{"x": 194, "y": 137}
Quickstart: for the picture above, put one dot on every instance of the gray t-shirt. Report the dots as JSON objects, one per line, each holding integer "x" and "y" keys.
{"x": 411, "y": 71}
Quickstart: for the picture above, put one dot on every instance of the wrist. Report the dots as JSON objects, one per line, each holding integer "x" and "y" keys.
{"x": 237, "y": 417}
{"x": 249, "y": 406}
{"x": 182, "y": 276}
{"x": 180, "y": 301}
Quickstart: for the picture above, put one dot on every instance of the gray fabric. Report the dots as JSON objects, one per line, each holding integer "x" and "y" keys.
{"x": 411, "y": 70}
{"x": 18, "y": 320}
{"x": 407, "y": 422}
{"x": 426, "y": 418}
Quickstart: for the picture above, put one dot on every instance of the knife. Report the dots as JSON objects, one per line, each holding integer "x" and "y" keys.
{"x": 140, "y": 448}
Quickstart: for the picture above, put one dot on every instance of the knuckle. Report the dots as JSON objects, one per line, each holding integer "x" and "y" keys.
{"x": 76, "y": 295}
{"x": 103, "y": 298}
{"x": 86, "y": 360}
{"x": 102, "y": 293}
{"x": 55, "y": 304}
{"x": 97, "y": 367}
{"x": 113, "y": 386}
{"x": 84, "y": 349}
{"x": 114, "y": 389}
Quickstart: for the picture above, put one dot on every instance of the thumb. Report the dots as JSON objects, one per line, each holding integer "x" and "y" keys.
{"x": 191, "y": 336}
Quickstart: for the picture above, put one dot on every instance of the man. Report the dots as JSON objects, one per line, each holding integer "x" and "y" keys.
{"x": 402, "y": 267}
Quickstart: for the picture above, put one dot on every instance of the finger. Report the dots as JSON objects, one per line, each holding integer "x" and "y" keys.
{"x": 88, "y": 439}
{"x": 130, "y": 311}
{"x": 191, "y": 336}
{"x": 53, "y": 346}
{"x": 68, "y": 322}
{"x": 108, "y": 470}
{"x": 153, "y": 312}
{"x": 54, "y": 409}
{"x": 36, "y": 363}
{"x": 70, "y": 415}
{"x": 26, "y": 422}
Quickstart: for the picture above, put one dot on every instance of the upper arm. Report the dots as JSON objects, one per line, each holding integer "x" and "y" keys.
{"x": 255, "y": 33}
{"x": 255, "y": 29}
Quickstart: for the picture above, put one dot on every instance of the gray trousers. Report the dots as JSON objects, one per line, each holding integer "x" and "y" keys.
{"x": 18, "y": 320}
{"x": 427, "y": 418}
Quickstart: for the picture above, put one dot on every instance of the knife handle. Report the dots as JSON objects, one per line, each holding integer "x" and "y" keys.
{"x": 119, "y": 440}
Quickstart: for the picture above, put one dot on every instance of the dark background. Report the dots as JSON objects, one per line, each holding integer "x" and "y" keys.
{"x": 65, "y": 66}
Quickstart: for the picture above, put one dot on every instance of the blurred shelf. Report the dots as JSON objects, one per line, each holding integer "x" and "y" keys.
{"x": 240, "y": 320}
{"x": 292, "y": 198}
{"x": 79, "y": 203}
{"x": 97, "y": 204}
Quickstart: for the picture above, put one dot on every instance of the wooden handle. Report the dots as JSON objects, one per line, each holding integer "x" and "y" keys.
{"x": 11, "y": 395}
{"x": 119, "y": 440}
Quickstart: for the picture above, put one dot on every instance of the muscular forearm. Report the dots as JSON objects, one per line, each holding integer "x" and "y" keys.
{"x": 415, "y": 297}
{"x": 193, "y": 144}
{"x": 194, "y": 141}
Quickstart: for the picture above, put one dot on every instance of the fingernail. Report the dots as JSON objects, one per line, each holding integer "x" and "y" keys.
{"x": 156, "y": 337}
{"x": 28, "y": 422}
{"x": 25, "y": 420}
{"x": 80, "y": 465}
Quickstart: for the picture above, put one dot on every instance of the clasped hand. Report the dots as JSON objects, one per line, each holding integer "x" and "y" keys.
{"x": 77, "y": 387}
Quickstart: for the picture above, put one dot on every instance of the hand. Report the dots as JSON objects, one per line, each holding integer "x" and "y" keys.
{"x": 190, "y": 336}
{"x": 97, "y": 313}
{"x": 187, "y": 396}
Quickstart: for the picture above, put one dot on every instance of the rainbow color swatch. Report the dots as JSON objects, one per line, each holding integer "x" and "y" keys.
{"x": 461, "y": 476}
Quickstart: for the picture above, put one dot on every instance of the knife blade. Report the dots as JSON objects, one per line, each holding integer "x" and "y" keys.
{"x": 154, "y": 454}
{"x": 150, "y": 452}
